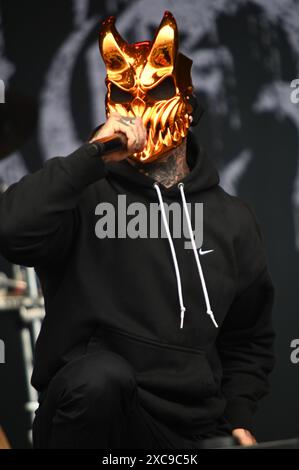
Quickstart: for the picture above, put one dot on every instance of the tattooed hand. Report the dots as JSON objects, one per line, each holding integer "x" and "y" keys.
{"x": 130, "y": 129}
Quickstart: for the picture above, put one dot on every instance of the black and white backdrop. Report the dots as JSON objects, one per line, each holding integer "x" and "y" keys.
{"x": 245, "y": 71}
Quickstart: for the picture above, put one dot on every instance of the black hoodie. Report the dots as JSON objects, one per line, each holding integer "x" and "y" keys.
{"x": 127, "y": 292}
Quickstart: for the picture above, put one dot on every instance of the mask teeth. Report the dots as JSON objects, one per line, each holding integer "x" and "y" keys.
{"x": 160, "y": 136}
{"x": 150, "y": 139}
{"x": 159, "y": 141}
{"x": 172, "y": 112}
{"x": 163, "y": 129}
{"x": 168, "y": 138}
{"x": 176, "y": 134}
{"x": 181, "y": 129}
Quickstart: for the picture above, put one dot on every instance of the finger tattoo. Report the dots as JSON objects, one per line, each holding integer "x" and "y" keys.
{"x": 127, "y": 121}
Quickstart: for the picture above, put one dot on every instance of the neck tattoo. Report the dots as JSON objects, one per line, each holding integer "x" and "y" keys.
{"x": 168, "y": 170}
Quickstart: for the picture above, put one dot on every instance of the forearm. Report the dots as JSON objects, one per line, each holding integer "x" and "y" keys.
{"x": 246, "y": 348}
{"x": 36, "y": 209}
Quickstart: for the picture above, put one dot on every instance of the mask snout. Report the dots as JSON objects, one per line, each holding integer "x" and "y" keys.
{"x": 138, "y": 107}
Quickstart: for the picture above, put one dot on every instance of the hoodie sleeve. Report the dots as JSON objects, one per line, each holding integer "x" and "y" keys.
{"x": 38, "y": 214}
{"x": 246, "y": 338}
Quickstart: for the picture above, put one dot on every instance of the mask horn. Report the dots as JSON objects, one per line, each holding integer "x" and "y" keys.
{"x": 113, "y": 49}
{"x": 163, "y": 51}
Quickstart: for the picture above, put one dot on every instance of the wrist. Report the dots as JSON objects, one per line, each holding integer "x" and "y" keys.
{"x": 99, "y": 151}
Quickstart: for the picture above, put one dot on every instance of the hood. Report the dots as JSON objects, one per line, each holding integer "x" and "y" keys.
{"x": 202, "y": 176}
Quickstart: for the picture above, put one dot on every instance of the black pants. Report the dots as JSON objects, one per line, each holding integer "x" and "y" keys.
{"x": 92, "y": 403}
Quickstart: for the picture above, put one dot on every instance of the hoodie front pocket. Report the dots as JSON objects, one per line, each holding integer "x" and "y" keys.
{"x": 172, "y": 373}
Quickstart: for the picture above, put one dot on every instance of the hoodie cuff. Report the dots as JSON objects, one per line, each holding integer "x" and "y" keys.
{"x": 84, "y": 166}
{"x": 239, "y": 412}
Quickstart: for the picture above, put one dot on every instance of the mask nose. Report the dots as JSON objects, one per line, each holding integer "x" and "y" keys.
{"x": 138, "y": 106}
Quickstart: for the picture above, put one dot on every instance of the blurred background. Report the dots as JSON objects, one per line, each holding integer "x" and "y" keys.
{"x": 245, "y": 56}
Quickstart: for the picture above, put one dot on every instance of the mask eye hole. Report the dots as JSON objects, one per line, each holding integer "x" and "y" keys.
{"x": 117, "y": 95}
{"x": 163, "y": 91}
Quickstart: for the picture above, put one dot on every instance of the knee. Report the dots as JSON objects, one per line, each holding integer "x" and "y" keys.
{"x": 98, "y": 383}
{"x": 106, "y": 374}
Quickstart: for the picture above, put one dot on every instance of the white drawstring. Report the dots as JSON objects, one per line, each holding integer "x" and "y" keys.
{"x": 175, "y": 261}
{"x": 203, "y": 283}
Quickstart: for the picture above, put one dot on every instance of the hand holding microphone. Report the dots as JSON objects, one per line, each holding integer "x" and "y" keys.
{"x": 121, "y": 136}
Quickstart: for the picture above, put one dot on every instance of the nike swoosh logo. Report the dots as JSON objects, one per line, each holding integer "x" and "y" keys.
{"x": 201, "y": 252}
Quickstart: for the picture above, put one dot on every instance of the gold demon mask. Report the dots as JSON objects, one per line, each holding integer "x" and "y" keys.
{"x": 151, "y": 80}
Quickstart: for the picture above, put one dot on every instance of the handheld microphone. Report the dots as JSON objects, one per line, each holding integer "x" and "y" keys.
{"x": 114, "y": 143}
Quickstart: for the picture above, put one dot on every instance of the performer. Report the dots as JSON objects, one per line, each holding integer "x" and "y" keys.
{"x": 148, "y": 341}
